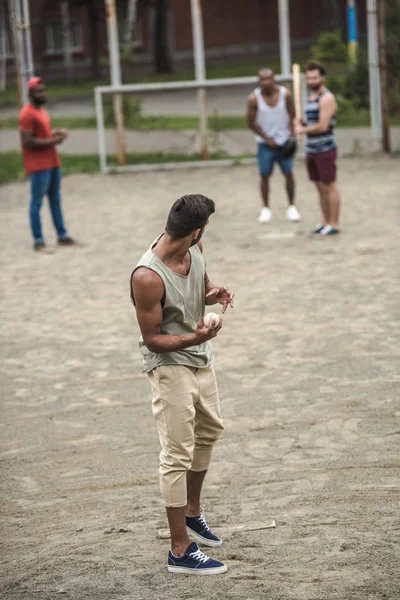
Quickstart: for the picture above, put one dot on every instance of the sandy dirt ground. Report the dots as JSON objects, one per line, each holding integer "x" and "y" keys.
{"x": 308, "y": 369}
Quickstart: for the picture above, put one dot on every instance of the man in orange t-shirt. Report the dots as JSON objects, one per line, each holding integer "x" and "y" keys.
{"x": 42, "y": 163}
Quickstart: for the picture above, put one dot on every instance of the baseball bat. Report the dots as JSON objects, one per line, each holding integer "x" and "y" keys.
{"x": 297, "y": 91}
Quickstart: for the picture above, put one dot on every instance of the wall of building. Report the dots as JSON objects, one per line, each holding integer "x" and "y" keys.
{"x": 231, "y": 28}
{"x": 236, "y": 22}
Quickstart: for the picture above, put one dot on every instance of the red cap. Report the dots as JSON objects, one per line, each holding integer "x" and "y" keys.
{"x": 33, "y": 82}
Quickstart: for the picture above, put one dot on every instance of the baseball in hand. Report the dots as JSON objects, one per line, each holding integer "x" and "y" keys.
{"x": 211, "y": 320}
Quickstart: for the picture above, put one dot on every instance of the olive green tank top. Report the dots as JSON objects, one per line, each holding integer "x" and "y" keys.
{"x": 183, "y": 306}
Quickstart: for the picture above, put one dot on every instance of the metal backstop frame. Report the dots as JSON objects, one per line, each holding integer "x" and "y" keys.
{"x": 100, "y": 91}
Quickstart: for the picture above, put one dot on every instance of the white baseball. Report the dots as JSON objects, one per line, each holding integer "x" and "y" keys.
{"x": 211, "y": 320}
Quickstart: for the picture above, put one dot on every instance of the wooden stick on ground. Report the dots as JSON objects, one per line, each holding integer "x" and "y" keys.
{"x": 164, "y": 534}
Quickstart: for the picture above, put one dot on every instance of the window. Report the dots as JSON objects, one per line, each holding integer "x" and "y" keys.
{"x": 54, "y": 37}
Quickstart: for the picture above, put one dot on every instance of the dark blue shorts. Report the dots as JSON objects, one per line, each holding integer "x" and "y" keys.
{"x": 267, "y": 157}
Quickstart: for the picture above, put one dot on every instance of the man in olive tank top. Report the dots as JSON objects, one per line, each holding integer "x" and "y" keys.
{"x": 170, "y": 289}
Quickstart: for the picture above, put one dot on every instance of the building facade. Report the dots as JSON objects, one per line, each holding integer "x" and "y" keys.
{"x": 232, "y": 28}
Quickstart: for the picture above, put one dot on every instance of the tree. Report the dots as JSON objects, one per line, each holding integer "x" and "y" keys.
{"x": 3, "y": 47}
{"x": 393, "y": 52}
{"x": 161, "y": 36}
{"x": 130, "y": 24}
{"x": 66, "y": 34}
{"x": 330, "y": 11}
{"x": 96, "y": 13}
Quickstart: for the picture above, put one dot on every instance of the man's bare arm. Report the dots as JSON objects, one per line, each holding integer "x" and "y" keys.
{"x": 251, "y": 121}
{"x": 327, "y": 109}
{"x": 30, "y": 141}
{"x": 148, "y": 291}
{"x": 291, "y": 112}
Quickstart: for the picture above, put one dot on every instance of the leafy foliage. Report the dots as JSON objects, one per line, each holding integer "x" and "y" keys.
{"x": 329, "y": 48}
{"x": 132, "y": 111}
{"x": 356, "y": 81}
{"x": 393, "y": 53}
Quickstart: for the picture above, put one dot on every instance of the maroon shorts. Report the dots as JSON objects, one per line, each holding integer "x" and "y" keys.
{"x": 322, "y": 166}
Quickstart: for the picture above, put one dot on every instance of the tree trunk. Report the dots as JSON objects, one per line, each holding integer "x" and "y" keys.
{"x": 3, "y": 49}
{"x": 93, "y": 17}
{"x": 330, "y": 15}
{"x": 162, "y": 55}
{"x": 67, "y": 43}
{"x": 130, "y": 24}
{"x": 386, "y": 146}
{"x": 16, "y": 50}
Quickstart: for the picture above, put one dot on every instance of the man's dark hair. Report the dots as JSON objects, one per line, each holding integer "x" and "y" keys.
{"x": 265, "y": 69}
{"x": 189, "y": 213}
{"x": 313, "y": 65}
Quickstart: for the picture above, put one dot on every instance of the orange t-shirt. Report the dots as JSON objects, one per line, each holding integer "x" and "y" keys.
{"x": 37, "y": 120}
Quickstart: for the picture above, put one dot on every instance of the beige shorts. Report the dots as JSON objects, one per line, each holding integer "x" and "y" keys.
{"x": 188, "y": 418}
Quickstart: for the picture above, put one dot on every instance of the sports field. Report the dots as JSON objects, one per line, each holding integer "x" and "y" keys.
{"x": 308, "y": 364}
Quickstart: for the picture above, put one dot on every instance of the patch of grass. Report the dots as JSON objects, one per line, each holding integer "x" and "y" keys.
{"x": 11, "y": 168}
{"x": 178, "y": 122}
{"x": 56, "y": 91}
{"x": 57, "y": 123}
{"x": 168, "y": 122}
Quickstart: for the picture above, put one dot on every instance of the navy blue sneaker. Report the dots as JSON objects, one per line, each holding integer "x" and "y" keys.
{"x": 197, "y": 527}
{"x": 194, "y": 561}
{"x": 318, "y": 229}
{"x": 329, "y": 230}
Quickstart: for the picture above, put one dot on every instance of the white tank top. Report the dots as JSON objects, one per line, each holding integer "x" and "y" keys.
{"x": 274, "y": 120}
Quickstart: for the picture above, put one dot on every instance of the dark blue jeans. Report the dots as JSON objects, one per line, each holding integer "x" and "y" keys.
{"x": 48, "y": 183}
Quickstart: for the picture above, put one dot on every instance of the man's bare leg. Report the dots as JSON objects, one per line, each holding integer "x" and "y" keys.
{"x": 323, "y": 201}
{"x": 265, "y": 189}
{"x": 334, "y": 204}
{"x": 177, "y": 516}
{"x": 194, "y": 482}
{"x": 290, "y": 187}
{"x": 177, "y": 526}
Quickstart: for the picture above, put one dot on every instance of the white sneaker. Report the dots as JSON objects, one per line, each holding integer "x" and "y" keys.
{"x": 265, "y": 215}
{"x": 293, "y": 214}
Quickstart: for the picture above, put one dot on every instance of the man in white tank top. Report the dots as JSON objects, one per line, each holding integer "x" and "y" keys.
{"x": 270, "y": 114}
